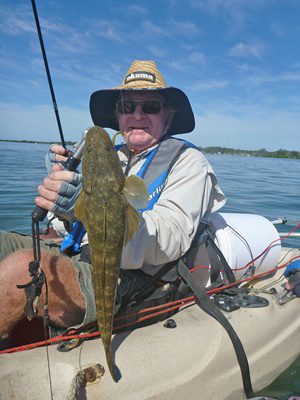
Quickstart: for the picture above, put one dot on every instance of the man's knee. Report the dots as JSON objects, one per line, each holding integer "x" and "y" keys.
{"x": 66, "y": 304}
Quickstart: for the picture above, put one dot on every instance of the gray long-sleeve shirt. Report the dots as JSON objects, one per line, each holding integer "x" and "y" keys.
{"x": 190, "y": 194}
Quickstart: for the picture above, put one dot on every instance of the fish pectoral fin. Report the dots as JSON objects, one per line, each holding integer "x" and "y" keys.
{"x": 136, "y": 192}
{"x": 132, "y": 223}
{"x": 79, "y": 209}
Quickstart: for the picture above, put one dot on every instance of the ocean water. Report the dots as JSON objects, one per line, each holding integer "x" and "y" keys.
{"x": 264, "y": 186}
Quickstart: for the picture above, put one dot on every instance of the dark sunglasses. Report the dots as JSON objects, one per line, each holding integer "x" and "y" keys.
{"x": 148, "y": 107}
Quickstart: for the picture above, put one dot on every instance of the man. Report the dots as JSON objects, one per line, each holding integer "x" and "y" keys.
{"x": 183, "y": 190}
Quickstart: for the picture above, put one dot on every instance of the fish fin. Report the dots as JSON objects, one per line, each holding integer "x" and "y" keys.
{"x": 136, "y": 192}
{"x": 113, "y": 369}
{"x": 79, "y": 209}
{"x": 132, "y": 223}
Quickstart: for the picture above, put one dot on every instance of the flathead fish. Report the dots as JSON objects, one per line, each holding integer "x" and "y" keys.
{"x": 105, "y": 207}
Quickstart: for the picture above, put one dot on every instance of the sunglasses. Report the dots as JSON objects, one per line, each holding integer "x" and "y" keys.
{"x": 148, "y": 107}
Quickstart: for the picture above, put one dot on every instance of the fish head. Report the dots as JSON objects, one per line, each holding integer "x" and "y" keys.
{"x": 101, "y": 160}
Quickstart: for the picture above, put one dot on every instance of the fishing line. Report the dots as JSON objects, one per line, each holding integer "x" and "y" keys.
{"x": 286, "y": 254}
{"x": 36, "y": 18}
{"x": 46, "y": 325}
{"x": 38, "y": 254}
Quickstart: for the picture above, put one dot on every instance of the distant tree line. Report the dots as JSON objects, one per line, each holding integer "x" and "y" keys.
{"x": 68, "y": 143}
{"x": 281, "y": 153}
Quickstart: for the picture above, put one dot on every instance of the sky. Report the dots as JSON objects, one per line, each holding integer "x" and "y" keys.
{"x": 238, "y": 61}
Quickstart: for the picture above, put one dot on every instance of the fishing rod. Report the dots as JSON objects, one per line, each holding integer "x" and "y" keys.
{"x": 73, "y": 160}
{"x": 38, "y": 27}
{"x": 33, "y": 288}
{"x": 283, "y": 221}
{"x": 38, "y": 279}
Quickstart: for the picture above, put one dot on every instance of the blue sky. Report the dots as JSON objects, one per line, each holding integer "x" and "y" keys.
{"x": 237, "y": 60}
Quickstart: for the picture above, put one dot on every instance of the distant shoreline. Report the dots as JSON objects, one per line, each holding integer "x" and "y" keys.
{"x": 281, "y": 153}
{"x": 69, "y": 143}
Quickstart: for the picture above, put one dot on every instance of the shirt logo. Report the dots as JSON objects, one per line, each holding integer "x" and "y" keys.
{"x": 156, "y": 191}
{"x": 140, "y": 76}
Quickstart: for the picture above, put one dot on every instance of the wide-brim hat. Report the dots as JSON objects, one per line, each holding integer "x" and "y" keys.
{"x": 142, "y": 75}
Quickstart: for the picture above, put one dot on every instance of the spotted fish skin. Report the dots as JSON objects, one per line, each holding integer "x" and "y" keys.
{"x": 102, "y": 207}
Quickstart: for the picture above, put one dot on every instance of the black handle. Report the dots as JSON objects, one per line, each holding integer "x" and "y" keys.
{"x": 38, "y": 214}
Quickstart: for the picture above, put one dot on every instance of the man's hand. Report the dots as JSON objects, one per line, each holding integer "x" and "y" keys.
{"x": 60, "y": 188}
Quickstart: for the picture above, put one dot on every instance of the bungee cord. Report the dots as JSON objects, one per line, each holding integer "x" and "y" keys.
{"x": 152, "y": 312}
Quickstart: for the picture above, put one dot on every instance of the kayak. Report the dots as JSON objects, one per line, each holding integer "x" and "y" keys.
{"x": 188, "y": 354}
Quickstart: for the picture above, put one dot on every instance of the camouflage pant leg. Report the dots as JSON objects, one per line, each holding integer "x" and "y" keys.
{"x": 130, "y": 281}
{"x": 13, "y": 241}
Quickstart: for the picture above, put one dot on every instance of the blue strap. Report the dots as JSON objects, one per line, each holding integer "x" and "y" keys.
{"x": 149, "y": 158}
{"x": 156, "y": 187}
{"x": 155, "y": 190}
{"x": 292, "y": 268}
{"x": 72, "y": 241}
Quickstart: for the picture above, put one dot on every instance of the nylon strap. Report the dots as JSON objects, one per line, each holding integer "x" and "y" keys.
{"x": 204, "y": 302}
{"x": 218, "y": 262}
{"x": 143, "y": 293}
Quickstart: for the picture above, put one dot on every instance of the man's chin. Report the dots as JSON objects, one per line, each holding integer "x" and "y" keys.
{"x": 138, "y": 136}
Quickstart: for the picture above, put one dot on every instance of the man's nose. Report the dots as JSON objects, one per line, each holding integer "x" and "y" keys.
{"x": 138, "y": 112}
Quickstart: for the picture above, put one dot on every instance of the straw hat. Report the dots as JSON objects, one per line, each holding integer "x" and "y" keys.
{"x": 142, "y": 75}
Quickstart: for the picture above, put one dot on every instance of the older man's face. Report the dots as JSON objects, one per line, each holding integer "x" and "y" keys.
{"x": 140, "y": 128}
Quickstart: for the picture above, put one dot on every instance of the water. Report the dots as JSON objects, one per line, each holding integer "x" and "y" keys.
{"x": 269, "y": 187}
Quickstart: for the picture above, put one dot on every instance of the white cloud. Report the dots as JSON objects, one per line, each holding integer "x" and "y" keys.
{"x": 210, "y": 85}
{"x": 197, "y": 57}
{"x": 236, "y": 13}
{"x": 276, "y": 27}
{"x": 221, "y": 124}
{"x": 171, "y": 28}
{"x": 291, "y": 76}
{"x": 38, "y": 122}
{"x": 247, "y": 50}
{"x": 178, "y": 65}
{"x": 136, "y": 9}
{"x": 106, "y": 28}
{"x": 16, "y": 20}
{"x": 259, "y": 78}
{"x": 157, "y": 51}
{"x": 153, "y": 29}
{"x": 186, "y": 28}
{"x": 247, "y": 127}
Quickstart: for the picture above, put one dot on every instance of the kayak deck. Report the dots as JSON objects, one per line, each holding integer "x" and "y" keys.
{"x": 196, "y": 358}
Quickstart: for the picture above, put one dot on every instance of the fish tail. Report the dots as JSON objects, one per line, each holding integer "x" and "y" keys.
{"x": 113, "y": 369}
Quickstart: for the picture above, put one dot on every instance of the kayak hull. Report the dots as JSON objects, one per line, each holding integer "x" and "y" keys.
{"x": 196, "y": 358}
